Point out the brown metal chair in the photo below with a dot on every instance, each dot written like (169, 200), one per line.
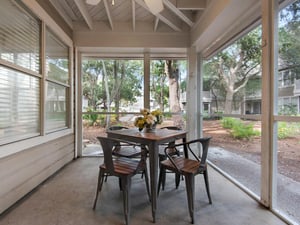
(162, 156)
(125, 149)
(189, 168)
(123, 168)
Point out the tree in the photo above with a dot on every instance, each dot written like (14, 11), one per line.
(172, 72)
(230, 70)
(289, 32)
(159, 90)
(111, 81)
(90, 88)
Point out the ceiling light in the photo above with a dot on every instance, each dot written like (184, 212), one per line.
(93, 2)
(155, 6)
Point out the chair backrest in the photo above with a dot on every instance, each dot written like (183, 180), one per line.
(171, 128)
(169, 151)
(107, 147)
(117, 127)
(174, 151)
(205, 144)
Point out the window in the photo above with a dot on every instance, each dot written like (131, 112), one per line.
(22, 81)
(19, 73)
(57, 85)
(287, 126)
(168, 89)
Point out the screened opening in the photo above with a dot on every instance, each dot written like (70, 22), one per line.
(232, 108)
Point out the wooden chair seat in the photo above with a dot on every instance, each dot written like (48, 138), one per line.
(125, 166)
(184, 165)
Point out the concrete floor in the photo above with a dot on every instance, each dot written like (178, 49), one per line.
(67, 198)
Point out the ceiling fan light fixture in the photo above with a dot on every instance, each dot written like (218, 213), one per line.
(155, 6)
(93, 2)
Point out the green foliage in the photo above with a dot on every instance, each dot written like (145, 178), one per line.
(283, 131)
(286, 130)
(218, 115)
(227, 73)
(123, 78)
(289, 44)
(167, 115)
(91, 118)
(228, 122)
(289, 110)
(239, 129)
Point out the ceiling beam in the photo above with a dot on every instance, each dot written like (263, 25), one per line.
(133, 14)
(191, 4)
(178, 12)
(106, 5)
(156, 24)
(160, 16)
(61, 12)
(84, 12)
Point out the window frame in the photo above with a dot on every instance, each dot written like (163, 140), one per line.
(44, 19)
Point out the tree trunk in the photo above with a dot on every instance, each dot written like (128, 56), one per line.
(228, 101)
(107, 92)
(173, 76)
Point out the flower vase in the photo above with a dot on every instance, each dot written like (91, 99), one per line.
(150, 128)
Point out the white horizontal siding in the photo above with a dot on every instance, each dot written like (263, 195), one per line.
(22, 172)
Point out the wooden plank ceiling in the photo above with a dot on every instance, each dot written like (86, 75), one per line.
(177, 15)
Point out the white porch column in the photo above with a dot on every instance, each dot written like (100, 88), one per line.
(269, 66)
(192, 107)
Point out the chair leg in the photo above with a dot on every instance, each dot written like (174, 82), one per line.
(177, 180)
(120, 184)
(147, 182)
(162, 173)
(126, 186)
(190, 191)
(163, 178)
(205, 174)
(99, 186)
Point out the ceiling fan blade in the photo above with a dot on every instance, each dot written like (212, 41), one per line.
(155, 6)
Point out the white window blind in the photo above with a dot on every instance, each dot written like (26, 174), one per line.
(19, 106)
(19, 36)
(19, 87)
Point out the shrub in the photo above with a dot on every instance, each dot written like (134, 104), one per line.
(285, 129)
(228, 122)
(240, 131)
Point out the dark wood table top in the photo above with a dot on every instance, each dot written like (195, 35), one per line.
(159, 135)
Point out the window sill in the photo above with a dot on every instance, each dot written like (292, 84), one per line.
(19, 146)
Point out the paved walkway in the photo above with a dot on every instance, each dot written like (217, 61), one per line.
(248, 174)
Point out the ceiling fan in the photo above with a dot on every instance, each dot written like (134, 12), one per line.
(155, 6)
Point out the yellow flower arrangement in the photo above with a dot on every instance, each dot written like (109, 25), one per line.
(148, 119)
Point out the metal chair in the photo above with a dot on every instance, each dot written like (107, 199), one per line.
(162, 156)
(125, 149)
(123, 168)
(189, 168)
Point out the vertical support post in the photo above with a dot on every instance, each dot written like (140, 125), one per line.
(192, 109)
(269, 66)
(147, 80)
